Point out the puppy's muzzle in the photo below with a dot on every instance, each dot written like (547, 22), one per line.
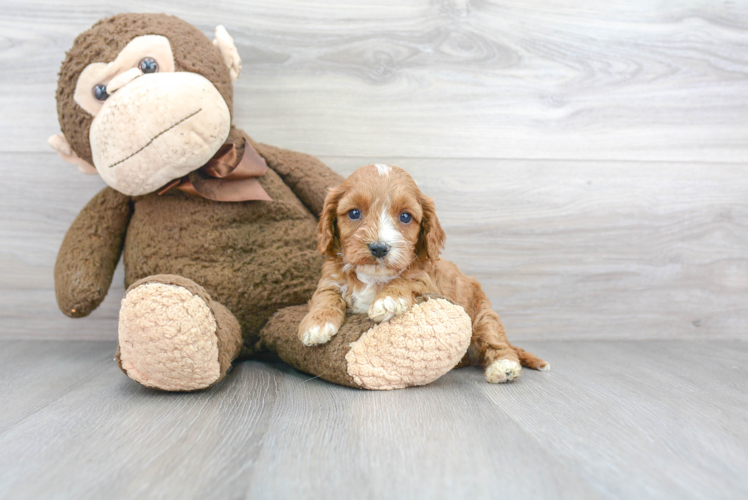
(379, 249)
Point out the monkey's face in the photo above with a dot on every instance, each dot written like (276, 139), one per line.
(151, 121)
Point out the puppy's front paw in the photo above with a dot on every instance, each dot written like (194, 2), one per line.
(387, 307)
(502, 370)
(317, 334)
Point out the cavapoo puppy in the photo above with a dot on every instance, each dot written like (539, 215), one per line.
(382, 240)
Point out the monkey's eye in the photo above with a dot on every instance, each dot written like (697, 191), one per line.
(99, 92)
(405, 218)
(354, 214)
(148, 65)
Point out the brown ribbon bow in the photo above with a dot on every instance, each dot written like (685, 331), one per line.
(224, 178)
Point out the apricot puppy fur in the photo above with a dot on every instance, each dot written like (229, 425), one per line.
(382, 239)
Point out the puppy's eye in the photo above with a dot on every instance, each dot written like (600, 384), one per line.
(148, 65)
(99, 92)
(405, 217)
(354, 214)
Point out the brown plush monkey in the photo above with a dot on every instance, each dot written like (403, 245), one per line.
(219, 249)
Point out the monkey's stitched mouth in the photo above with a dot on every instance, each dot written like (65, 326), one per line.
(156, 137)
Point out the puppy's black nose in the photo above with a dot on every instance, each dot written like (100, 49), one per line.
(379, 249)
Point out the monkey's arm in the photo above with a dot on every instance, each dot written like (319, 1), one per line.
(90, 252)
(307, 177)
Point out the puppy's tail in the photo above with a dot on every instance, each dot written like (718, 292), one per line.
(530, 360)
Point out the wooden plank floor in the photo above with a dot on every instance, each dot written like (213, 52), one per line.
(618, 419)
(588, 161)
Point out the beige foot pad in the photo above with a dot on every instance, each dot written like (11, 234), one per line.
(167, 338)
(414, 348)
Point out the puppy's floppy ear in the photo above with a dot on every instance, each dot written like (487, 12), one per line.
(431, 239)
(328, 240)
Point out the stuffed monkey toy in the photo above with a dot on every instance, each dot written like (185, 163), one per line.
(217, 230)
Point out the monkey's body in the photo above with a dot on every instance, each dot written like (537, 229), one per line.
(254, 257)
(251, 275)
(206, 278)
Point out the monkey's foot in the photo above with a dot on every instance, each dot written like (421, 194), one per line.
(414, 348)
(173, 336)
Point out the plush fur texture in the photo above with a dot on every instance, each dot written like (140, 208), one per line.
(90, 252)
(167, 348)
(382, 238)
(187, 124)
(253, 257)
(193, 52)
(414, 349)
(152, 124)
(167, 338)
(205, 276)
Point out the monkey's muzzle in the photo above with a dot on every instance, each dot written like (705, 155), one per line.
(157, 128)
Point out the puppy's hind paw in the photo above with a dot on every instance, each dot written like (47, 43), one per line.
(502, 370)
(387, 308)
(318, 334)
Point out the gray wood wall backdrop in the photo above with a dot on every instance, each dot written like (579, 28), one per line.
(588, 158)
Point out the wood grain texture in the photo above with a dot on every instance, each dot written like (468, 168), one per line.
(35, 375)
(520, 119)
(648, 419)
(563, 249)
(450, 78)
(590, 250)
(588, 160)
(669, 399)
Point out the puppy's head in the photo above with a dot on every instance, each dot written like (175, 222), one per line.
(378, 218)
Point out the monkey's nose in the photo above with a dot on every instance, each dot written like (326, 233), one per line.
(123, 79)
(379, 249)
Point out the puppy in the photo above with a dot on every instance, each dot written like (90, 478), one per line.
(382, 239)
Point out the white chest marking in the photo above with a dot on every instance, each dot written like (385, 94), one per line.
(362, 298)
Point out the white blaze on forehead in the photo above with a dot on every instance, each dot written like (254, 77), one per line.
(390, 235)
(383, 169)
(388, 232)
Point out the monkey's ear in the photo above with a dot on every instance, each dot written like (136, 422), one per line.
(225, 44)
(61, 145)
